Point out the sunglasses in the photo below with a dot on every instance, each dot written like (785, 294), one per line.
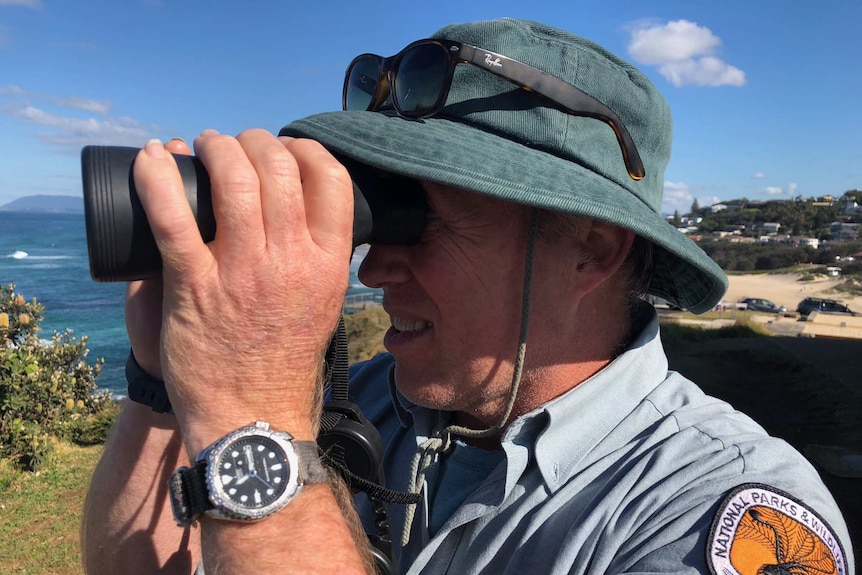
(416, 82)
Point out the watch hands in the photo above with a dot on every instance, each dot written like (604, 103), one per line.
(243, 479)
(266, 469)
(249, 457)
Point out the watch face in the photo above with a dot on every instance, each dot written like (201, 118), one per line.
(254, 472)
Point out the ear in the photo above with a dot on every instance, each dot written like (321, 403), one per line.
(605, 248)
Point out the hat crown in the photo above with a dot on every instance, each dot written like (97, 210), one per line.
(495, 138)
(492, 104)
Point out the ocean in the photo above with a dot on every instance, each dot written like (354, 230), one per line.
(45, 256)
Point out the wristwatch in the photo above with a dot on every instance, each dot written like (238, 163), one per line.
(247, 475)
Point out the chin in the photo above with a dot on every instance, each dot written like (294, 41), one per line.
(426, 392)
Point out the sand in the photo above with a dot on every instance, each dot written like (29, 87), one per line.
(787, 290)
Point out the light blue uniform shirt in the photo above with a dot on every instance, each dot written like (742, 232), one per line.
(622, 474)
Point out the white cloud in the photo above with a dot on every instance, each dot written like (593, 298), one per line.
(772, 191)
(102, 107)
(683, 52)
(706, 71)
(72, 132)
(35, 4)
(674, 42)
(706, 201)
(84, 104)
(791, 188)
(758, 176)
(679, 196)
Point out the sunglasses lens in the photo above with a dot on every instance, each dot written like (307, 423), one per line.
(360, 86)
(418, 83)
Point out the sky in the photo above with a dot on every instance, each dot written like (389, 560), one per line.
(766, 95)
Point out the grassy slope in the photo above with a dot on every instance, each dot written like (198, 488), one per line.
(40, 514)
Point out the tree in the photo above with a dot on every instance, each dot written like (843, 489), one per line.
(695, 208)
(47, 388)
(677, 222)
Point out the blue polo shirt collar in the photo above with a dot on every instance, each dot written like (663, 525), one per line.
(597, 405)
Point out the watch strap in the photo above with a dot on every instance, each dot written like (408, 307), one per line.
(146, 389)
(311, 468)
(189, 495)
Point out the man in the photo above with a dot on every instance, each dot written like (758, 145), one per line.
(531, 406)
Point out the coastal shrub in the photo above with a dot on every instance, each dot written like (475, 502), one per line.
(365, 330)
(678, 334)
(47, 388)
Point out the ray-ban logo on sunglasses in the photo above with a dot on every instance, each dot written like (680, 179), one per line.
(491, 61)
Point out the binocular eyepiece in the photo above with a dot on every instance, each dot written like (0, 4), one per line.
(388, 209)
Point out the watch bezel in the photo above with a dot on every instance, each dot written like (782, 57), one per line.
(223, 506)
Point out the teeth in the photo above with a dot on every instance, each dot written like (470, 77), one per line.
(402, 324)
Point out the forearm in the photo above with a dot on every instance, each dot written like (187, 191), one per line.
(314, 535)
(128, 526)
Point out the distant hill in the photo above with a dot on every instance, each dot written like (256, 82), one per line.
(42, 203)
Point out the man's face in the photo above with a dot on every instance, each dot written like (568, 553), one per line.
(455, 301)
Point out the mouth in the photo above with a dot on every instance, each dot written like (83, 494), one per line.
(410, 325)
(406, 332)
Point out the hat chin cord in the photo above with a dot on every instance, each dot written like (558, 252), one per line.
(441, 439)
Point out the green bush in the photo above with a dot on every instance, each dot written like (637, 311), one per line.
(47, 389)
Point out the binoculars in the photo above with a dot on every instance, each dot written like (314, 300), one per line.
(388, 209)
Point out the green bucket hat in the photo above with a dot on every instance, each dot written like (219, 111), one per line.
(497, 139)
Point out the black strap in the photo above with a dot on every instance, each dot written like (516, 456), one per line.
(373, 490)
(146, 389)
(188, 492)
(337, 365)
(334, 413)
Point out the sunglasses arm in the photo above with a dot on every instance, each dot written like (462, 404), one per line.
(565, 96)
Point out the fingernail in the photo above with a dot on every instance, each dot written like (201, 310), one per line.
(209, 132)
(286, 139)
(175, 139)
(155, 149)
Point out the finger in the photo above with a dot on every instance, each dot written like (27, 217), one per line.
(327, 193)
(280, 185)
(162, 194)
(178, 146)
(235, 192)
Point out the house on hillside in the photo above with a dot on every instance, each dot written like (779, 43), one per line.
(843, 231)
(769, 227)
(850, 208)
(809, 243)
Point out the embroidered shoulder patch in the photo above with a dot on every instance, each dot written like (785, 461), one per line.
(760, 530)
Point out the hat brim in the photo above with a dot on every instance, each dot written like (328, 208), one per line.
(453, 153)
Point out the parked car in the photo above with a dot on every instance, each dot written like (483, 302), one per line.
(810, 304)
(764, 305)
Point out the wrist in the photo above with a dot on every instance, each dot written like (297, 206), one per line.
(225, 406)
(200, 432)
(137, 417)
(146, 388)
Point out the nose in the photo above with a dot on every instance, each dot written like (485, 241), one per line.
(384, 265)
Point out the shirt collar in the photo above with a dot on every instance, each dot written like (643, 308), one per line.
(597, 405)
(575, 422)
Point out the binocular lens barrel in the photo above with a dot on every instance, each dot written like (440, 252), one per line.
(388, 209)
